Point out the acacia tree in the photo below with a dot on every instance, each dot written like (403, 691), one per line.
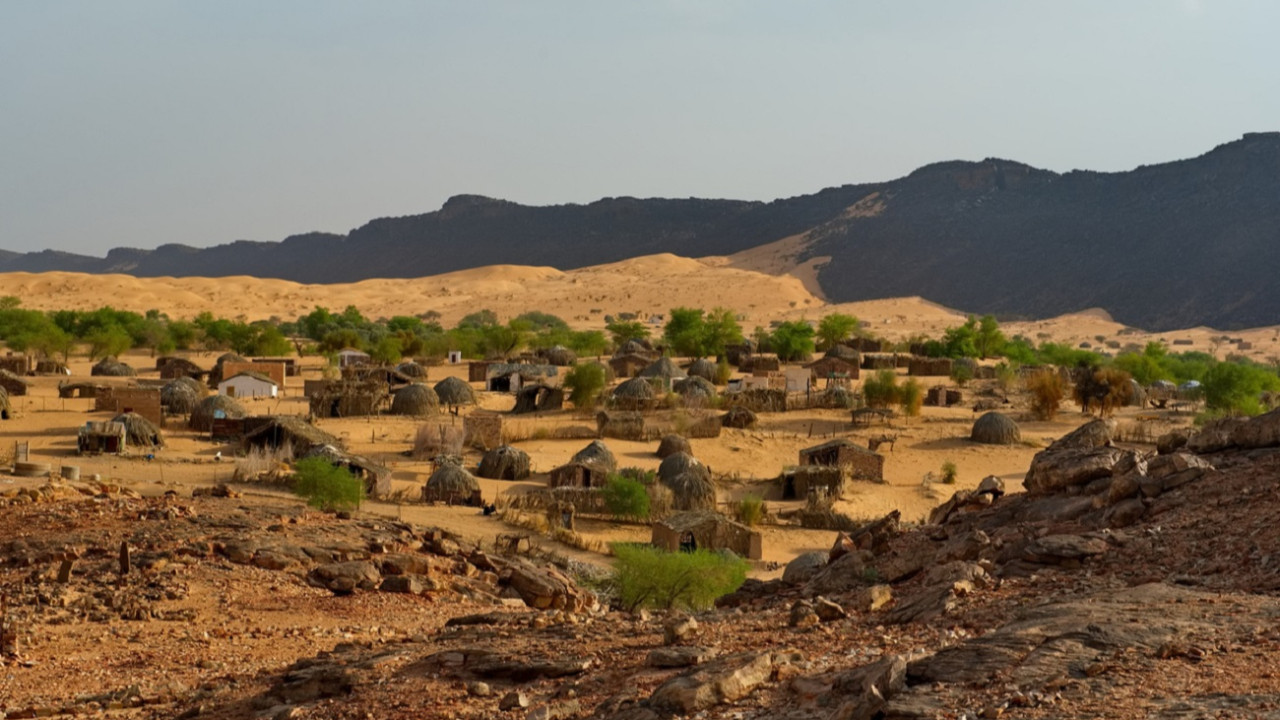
(792, 340)
(622, 331)
(835, 328)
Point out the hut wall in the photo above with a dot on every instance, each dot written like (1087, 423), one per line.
(273, 370)
(824, 479)
(711, 534)
(16, 364)
(628, 366)
(878, 361)
(478, 372)
(832, 367)
(14, 386)
(708, 426)
(941, 396)
(291, 368)
(311, 388)
(902, 360)
(482, 430)
(924, 366)
(758, 400)
(866, 345)
(857, 462)
(578, 475)
(621, 425)
(228, 428)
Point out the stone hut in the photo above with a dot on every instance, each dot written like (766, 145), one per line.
(856, 461)
(688, 531)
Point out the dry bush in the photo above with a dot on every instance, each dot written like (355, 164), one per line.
(263, 461)
(577, 540)
(1047, 390)
(1105, 389)
(819, 514)
(432, 440)
(535, 523)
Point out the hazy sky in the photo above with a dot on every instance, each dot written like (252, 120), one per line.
(141, 123)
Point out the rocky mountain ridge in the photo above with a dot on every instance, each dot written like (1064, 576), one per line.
(1178, 244)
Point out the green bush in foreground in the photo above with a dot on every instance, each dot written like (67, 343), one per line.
(649, 577)
(326, 486)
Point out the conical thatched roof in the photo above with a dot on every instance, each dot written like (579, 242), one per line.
(634, 394)
(633, 347)
(450, 483)
(672, 444)
(179, 397)
(558, 355)
(680, 463)
(412, 369)
(194, 384)
(214, 406)
(695, 388)
(504, 463)
(843, 352)
(739, 417)
(289, 430)
(454, 391)
(416, 399)
(689, 481)
(139, 431)
(664, 368)
(596, 454)
(702, 368)
(995, 429)
(110, 367)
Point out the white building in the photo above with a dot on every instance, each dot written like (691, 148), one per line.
(248, 385)
(350, 357)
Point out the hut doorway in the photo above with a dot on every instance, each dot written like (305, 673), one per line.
(688, 543)
(789, 488)
(500, 384)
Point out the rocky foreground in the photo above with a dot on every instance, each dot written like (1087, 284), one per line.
(1121, 584)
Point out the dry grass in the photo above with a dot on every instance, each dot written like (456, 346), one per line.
(263, 462)
(433, 439)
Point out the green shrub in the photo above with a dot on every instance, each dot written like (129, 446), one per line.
(961, 373)
(750, 510)
(949, 473)
(649, 577)
(724, 371)
(585, 382)
(881, 390)
(626, 498)
(1006, 375)
(326, 486)
(911, 397)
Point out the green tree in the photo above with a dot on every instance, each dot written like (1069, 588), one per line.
(326, 486)
(720, 330)
(989, 340)
(585, 382)
(626, 498)
(835, 328)
(649, 577)
(911, 397)
(792, 340)
(685, 331)
(881, 390)
(1235, 387)
(386, 351)
(621, 331)
(962, 341)
(108, 342)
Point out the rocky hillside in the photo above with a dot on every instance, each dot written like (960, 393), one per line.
(1163, 246)
(1120, 584)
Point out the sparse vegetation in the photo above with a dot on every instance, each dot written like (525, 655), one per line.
(750, 510)
(326, 486)
(1047, 390)
(626, 498)
(911, 397)
(585, 382)
(649, 577)
(949, 473)
(792, 340)
(881, 389)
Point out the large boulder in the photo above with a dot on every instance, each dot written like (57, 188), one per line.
(721, 681)
(1259, 432)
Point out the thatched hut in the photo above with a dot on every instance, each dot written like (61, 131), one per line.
(376, 477)
(171, 368)
(110, 367)
(739, 417)
(635, 394)
(538, 398)
(216, 374)
(695, 390)
(348, 398)
(672, 444)
(798, 483)
(589, 467)
(504, 463)
(416, 400)
(663, 369)
(735, 354)
(858, 462)
(691, 531)
(993, 428)
(178, 397)
(559, 356)
(12, 384)
(628, 364)
(281, 431)
(760, 364)
(214, 407)
(702, 368)
(634, 347)
(845, 353)
(452, 485)
(620, 424)
(411, 369)
(139, 431)
(455, 392)
(689, 481)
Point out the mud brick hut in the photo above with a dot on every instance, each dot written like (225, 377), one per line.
(856, 461)
(691, 531)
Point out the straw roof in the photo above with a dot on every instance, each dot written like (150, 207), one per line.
(450, 483)
(203, 414)
(664, 368)
(844, 352)
(281, 430)
(179, 397)
(689, 481)
(215, 375)
(634, 393)
(139, 430)
(416, 399)
(110, 367)
(559, 355)
(412, 369)
(633, 347)
(596, 454)
(695, 387)
(739, 417)
(672, 444)
(702, 368)
(504, 463)
(995, 429)
(453, 391)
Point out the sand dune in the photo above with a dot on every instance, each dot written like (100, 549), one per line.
(649, 285)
